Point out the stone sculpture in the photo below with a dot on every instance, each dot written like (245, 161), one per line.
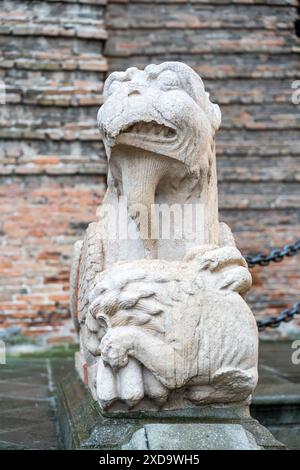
(162, 321)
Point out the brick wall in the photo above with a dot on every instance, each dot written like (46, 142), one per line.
(51, 161)
(54, 57)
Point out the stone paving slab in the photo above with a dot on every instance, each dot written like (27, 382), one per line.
(27, 419)
(275, 360)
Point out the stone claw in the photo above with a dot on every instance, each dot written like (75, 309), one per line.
(113, 352)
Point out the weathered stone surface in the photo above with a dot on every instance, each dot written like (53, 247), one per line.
(130, 296)
(192, 437)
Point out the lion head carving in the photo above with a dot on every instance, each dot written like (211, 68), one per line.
(163, 108)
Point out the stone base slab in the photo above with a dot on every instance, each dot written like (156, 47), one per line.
(84, 426)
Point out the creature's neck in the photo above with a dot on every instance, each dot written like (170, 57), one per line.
(171, 209)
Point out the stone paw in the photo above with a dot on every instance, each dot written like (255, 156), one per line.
(113, 352)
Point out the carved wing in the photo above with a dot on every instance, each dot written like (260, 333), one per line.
(87, 263)
(74, 282)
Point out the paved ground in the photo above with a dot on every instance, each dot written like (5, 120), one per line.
(27, 396)
(27, 402)
(27, 418)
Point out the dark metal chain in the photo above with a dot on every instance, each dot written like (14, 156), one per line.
(276, 255)
(285, 316)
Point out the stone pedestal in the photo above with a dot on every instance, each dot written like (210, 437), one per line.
(84, 426)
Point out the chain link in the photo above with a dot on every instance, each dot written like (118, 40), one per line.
(285, 316)
(276, 255)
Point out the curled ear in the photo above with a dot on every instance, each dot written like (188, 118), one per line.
(215, 116)
(237, 279)
(213, 112)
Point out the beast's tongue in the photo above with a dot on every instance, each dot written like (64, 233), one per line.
(141, 173)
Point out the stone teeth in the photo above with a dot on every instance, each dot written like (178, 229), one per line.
(150, 128)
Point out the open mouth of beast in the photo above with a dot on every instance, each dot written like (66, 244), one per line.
(149, 131)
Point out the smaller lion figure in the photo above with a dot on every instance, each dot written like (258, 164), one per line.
(174, 326)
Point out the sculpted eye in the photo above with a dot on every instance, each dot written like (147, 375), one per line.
(168, 80)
